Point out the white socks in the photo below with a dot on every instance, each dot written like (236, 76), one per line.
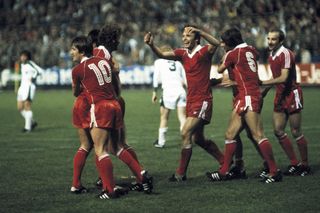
(28, 116)
(162, 135)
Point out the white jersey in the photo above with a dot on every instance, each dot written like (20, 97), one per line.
(29, 72)
(171, 75)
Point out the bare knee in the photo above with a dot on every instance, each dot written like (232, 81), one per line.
(296, 132)
(278, 133)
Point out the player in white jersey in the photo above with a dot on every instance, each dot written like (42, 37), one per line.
(172, 77)
(29, 72)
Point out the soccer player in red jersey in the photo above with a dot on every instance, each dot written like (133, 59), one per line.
(94, 75)
(288, 102)
(196, 60)
(107, 41)
(241, 60)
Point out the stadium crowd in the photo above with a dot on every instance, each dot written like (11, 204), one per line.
(46, 27)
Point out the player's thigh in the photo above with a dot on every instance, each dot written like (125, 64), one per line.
(253, 121)
(279, 121)
(85, 139)
(191, 125)
(295, 124)
(164, 112)
(234, 125)
(99, 137)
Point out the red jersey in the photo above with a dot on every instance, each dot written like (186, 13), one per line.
(102, 52)
(197, 66)
(95, 76)
(241, 62)
(284, 59)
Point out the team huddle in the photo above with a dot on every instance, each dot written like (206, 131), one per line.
(99, 109)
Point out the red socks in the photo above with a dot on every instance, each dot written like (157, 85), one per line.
(230, 148)
(211, 147)
(184, 160)
(267, 153)
(134, 166)
(132, 153)
(105, 169)
(79, 161)
(303, 149)
(288, 148)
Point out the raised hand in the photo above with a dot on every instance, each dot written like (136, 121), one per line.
(148, 38)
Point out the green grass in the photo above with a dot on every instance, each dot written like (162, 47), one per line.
(36, 168)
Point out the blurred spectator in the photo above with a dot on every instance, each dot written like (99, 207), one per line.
(45, 27)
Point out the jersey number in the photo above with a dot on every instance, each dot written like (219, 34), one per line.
(172, 66)
(102, 72)
(251, 61)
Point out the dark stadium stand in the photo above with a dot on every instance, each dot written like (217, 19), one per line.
(46, 27)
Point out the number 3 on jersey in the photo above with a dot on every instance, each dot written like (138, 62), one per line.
(102, 72)
(251, 61)
(172, 66)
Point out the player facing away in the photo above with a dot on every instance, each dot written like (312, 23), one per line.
(94, 75)
(29, 72)
(238, 171)
(171, 75)
(241, 60)
(108, 41)
(288, 102)
(196, 60)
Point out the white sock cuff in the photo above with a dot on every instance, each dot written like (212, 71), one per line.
(298, 138)
(188, 146)
(163, 129)
(229, 141)
(103, 156)
(262, 140)
(119, 152)
(282, 136)
(83, 149)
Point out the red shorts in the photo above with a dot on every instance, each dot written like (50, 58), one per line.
(201, 109)
(106, 114)
(81, 112)
(291, 103)
(243, 103)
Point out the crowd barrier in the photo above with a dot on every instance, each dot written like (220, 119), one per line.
(138, 75)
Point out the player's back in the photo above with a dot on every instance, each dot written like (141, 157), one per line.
(170, 73)
(243, 60)
(96, 78)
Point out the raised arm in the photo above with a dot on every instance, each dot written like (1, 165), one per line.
(148, 39)
(214, 43)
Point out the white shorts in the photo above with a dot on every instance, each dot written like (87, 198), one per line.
(26, 92)
(173, 100)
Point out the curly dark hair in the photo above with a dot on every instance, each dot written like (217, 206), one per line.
(109, 36)
(232, 37)
(93, 36)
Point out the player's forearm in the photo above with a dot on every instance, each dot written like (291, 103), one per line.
(209, 38)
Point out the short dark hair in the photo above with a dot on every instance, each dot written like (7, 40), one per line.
(27, 53)
(281, 33)
(109, 36)
(93, 36)
(81, 43)
(232, 37)
(196, 35)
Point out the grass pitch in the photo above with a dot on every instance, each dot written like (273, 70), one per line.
(36, 168)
